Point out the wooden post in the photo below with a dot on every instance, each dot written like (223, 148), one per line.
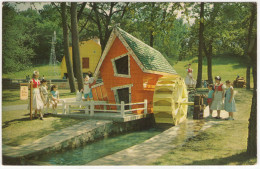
(145, 106)
(92, 108)
(123, 108)
(31, 101)
(87, 109)
(63, 107)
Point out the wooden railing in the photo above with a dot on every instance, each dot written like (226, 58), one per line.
(90, 107)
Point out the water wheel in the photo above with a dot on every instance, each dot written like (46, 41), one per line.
(170, 100)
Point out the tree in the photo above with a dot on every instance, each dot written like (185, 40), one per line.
(151, 19)
(48, 22)
(209, 37)
(199, 77)
(250, 32)
(66, 47)
(18, 40)
(105, 16)
(252, 51)
(75, 45)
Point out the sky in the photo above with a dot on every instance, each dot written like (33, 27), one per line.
(21, 6)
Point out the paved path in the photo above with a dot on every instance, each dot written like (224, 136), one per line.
(57, 140)
(153, 148)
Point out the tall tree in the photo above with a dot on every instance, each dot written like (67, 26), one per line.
(250, 31)
(209, 36)
(18, 40)
(66, 47)
(201, 29)
(252, 51)
(105, 14)
(75, 45)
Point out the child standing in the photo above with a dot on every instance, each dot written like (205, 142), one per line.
(229, 105)
(54, 97)
(44, 90)
(87, 89)
(209, 98)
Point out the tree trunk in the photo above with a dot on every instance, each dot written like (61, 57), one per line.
(252, 51)
(199, 77)
(75, 45)
(151, 38)
(152, 20)
(248, 77)
(66, 47)
(209, 60)
(252, 126)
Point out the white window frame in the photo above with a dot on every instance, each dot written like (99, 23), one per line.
(114, 66)
(114, 89)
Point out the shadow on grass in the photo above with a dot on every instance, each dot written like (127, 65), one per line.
(238, 159)
(10, 96)
(8, 123)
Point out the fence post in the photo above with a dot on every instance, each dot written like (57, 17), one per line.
(63, 107)
(91, 108)
(87, 109)
(145, 106)
(123, 108)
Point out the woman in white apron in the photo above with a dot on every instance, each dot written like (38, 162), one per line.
(37, 103)
(189, 81)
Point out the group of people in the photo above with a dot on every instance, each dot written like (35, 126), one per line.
(41, 98)
(220, 98)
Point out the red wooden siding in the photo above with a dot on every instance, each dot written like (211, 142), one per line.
(138, 77)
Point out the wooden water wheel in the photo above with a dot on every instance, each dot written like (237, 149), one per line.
(170, 100)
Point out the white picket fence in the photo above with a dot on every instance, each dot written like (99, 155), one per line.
(89, 107)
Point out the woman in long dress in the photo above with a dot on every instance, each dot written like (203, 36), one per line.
(218, 96)
(189, 81)
(37, 103)
(230, 105)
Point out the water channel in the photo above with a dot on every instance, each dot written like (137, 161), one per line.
(99, 149)
(110, 145)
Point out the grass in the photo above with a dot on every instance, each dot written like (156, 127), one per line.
(226, 67)
(222, 144)
(12, 96)
(49, 72)
(17, 128)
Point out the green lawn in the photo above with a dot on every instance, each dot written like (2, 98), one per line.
(12, 96)
(222, 144)
(49, 72)
(17, 128)
(227, 68)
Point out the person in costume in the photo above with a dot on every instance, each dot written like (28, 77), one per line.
(218, 96)
(189, 81)
(37, 101)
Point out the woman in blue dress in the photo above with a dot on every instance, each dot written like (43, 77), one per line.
(229, 105)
